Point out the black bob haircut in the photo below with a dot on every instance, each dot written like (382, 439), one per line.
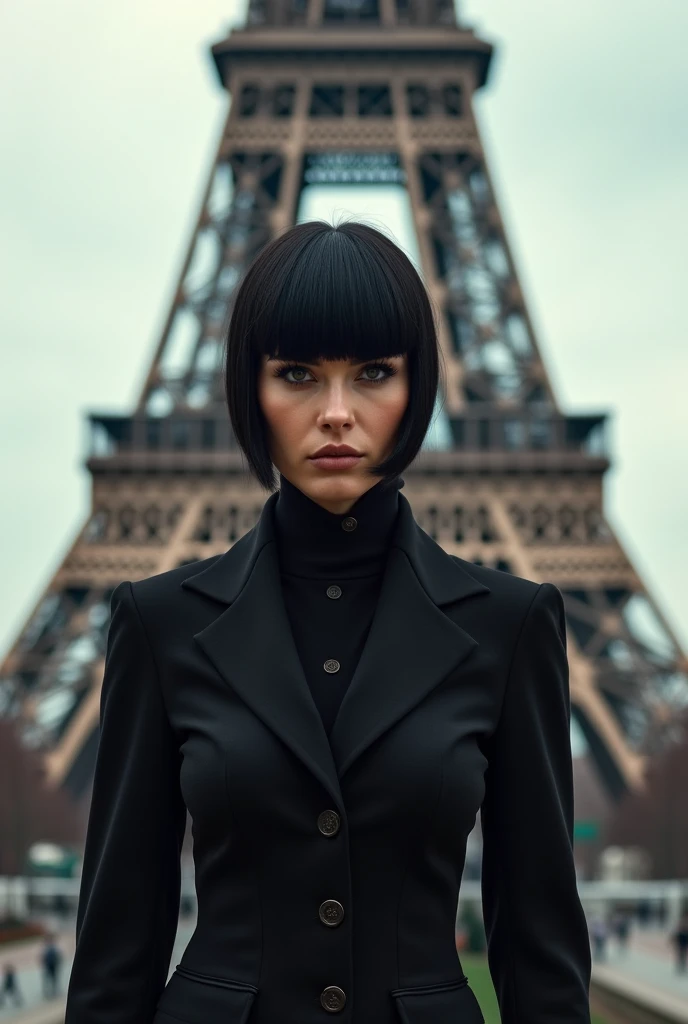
(320, 291)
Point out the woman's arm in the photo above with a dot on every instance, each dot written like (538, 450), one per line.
(538, 947)
(130, 885)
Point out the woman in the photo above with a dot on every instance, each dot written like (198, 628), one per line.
(334, 699)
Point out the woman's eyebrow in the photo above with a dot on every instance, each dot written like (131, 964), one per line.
(319, 362)
(288, 359)
(313, 362)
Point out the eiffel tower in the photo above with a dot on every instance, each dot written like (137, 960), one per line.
(339, 92)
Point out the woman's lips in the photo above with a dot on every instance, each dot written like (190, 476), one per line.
(336, 461)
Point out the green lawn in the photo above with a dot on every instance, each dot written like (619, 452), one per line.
(479, 979)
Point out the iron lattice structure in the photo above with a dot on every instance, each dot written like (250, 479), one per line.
(372, 91)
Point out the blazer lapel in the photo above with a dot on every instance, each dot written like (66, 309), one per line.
(251, 645)
(411, 646)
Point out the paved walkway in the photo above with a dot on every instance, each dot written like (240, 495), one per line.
(26, 958)
(649, 959)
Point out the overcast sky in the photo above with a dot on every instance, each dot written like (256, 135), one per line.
(109, 117)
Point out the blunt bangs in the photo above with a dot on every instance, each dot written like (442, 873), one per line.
(320, 291)
(335, 300)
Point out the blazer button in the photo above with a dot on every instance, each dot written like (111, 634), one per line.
(331, 913)
(332, 665)
(334, 591)
(328, 823)
(349, 524)
(333, 998)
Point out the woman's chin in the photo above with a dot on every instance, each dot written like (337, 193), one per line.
(336, 486)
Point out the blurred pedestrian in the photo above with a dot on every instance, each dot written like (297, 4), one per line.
(51, 958)
(10, 986)
(621, 925)
(599, 932)
(680, 940)
(643, 911)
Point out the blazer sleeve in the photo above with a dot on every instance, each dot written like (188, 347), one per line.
(130, 890)
(537, 936)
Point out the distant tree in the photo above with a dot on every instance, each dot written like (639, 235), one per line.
(30, 810)
(657, 818)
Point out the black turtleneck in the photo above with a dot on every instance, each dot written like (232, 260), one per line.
(331, 568)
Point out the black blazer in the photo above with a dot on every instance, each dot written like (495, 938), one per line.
(328, 870)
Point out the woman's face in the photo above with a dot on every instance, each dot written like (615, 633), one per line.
(334, 402)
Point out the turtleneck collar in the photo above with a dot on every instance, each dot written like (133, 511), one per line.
(316, 543)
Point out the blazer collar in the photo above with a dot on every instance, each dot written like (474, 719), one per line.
(250, 642)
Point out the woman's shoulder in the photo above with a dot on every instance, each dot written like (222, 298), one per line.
(500, 582)
(160, 586)
(512, 597)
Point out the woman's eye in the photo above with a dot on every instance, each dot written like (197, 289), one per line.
(374, 373)
(371, 373)
(299, 374)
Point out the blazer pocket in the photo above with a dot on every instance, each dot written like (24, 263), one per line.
(196, 998)
(436, 1004)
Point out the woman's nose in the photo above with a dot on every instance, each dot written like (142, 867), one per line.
(337, 409)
